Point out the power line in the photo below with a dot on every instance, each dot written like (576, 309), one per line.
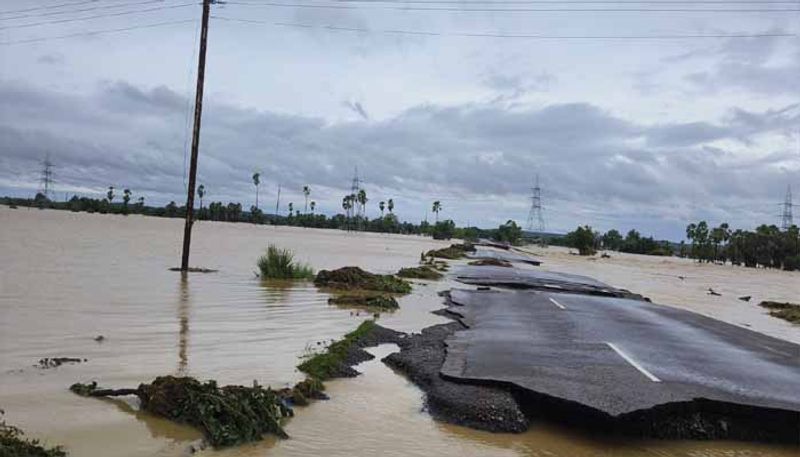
(96, 16)
(49, 7)
(502, 35)
(96, 32)
(80, 10)
(517, 10)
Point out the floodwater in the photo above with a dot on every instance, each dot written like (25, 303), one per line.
(66, 278)
(684, 283)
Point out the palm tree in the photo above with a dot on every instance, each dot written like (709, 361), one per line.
(312, 206)
(382, 205)
(390, 205)
(110, 193)
(362, 200)
(140, 201)
(291, 208)
(201, 192)
(306, 193)
(126, 197)
(256, 182)
(437, 206)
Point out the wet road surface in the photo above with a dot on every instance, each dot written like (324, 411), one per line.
(617, 355)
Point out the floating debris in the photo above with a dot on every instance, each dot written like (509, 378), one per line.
(54, 362)
(745, 298)
(226, 415)
(99, 338)
(786, 311)
(713, 292)
(195, 270)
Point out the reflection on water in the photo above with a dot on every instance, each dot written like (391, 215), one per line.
(183, 317)
(64, 280)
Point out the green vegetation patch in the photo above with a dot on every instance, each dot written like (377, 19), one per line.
(226, 415)
(786, 311)
(14, 444)
(491, 263)
(421, 272)
(370, 301)
(279, 263)
(333, 361)
(354, 278)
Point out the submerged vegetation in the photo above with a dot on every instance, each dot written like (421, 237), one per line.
(786, 311)
(226, 415)
(279, 263)
(14, 444)
(767, 246)
(333, 361)
(421, 272)
(354, 278)
(370, 301)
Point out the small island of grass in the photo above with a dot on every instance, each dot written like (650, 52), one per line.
(786, 311)
(279, 263)
(354, 278)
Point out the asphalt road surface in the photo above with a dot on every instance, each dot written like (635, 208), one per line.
(616, 355)
(483, 253)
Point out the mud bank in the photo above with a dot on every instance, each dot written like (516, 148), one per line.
(481, 407)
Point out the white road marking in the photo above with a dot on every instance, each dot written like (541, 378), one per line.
(633, 362)
(558, 304)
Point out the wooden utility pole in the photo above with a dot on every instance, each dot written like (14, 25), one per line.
(198, 110)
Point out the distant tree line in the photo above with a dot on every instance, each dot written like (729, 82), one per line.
(767, 246)
(588, 242)
(354, 217)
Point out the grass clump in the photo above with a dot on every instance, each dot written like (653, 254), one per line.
(421, 272)
(354, 278)
(279, 263)
(333, 362)
(452, 252)
(369, 301)
(786, 311)
(226, 415)
(14, 444)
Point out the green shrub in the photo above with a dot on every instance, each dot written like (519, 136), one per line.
(279, 263)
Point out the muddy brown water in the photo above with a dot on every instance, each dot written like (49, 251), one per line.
(66, 278)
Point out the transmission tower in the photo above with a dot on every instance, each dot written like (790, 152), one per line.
(535, 216)
(46, 180)
(786, 210)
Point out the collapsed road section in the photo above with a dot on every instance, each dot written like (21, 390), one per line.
(589, 357)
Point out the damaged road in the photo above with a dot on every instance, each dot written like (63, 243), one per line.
(573, 350)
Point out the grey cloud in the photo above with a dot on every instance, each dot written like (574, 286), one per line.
(478, 158)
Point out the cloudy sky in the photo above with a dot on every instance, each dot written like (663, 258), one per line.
(646, 132)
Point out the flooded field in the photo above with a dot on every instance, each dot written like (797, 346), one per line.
(66, 278)
(684, 283)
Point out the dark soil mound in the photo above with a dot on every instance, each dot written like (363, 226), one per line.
(481, 407)
(354, 278)
(423, 272)
(454, 251)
